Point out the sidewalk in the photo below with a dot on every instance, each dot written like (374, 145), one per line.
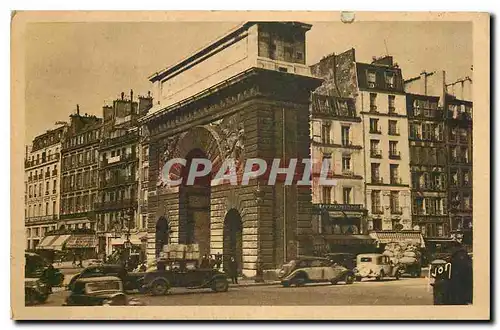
(246, 282)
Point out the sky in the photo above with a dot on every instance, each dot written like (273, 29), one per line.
(90, 64)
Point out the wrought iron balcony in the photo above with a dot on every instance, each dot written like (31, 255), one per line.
(375, 153)
(396, 210)
(121, 180)
(396, 180)
(394, 155)
(117, 205)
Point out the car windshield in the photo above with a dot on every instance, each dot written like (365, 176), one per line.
(290, 265)
(103, 286)
(365, 259)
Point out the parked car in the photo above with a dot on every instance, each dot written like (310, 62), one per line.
(39, 278)
(35, 291)
(99, 291)
(183, 273)
(131, 281)
(348, 260)
(375, 265)
(314, 270)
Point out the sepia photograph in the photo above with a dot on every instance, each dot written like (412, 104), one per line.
(258, 165)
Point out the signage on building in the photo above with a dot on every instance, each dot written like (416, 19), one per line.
(341, 207)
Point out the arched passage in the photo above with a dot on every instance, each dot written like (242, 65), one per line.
(233, 237)
(162, 236)
(194, 206)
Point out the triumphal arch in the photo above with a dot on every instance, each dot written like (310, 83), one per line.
(244, 96)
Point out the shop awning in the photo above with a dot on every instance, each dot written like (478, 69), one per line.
(82, 242)
(384, 237)
(53, 242)
(349, 239)
(135, 239)
(46, 242)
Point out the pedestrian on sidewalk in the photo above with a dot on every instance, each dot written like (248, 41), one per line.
(218, 260)
(80, 260)
(74, 258)
(205, 263)
(212, 261)
(233, 270)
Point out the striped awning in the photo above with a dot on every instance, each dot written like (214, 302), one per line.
(82, 242)
(384, 237)
(53, 242)
(46, 242)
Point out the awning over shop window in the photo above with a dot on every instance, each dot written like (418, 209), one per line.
(46, 242)
(135, 239)
(55, 242)
(82, 242)
(349, 239)
(384, 237)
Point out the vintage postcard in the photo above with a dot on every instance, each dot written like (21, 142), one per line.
(309, 165)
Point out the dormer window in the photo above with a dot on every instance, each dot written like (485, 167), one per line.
(371, 78)
(389, 79)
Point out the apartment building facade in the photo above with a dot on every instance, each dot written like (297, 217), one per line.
(459, 150)
(447, 129)
(80, 154)
(118, 215)
(42, 180)
(428, 165)
(378, 94)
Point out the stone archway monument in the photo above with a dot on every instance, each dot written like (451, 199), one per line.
(243, 97)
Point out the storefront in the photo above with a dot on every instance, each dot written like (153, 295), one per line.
(84, 245)
(391, 236)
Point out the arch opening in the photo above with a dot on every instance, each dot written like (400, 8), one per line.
(194, 206)
(233, 238)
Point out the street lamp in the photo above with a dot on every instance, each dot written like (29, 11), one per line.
(259, 199)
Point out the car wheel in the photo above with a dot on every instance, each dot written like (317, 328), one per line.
(381, 276)
(349, 279)
(397, 275)
(159, 288)
(220, 285)
(334, 281)
(358, 278)
(285, 284)
(300, 280)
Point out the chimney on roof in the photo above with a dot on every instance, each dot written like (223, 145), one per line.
(78, 109)
(123, 95)
(131, 95)
(149, 93)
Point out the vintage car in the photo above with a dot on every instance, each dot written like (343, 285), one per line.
(39, 277)
(182, 273)
(35, 291)
(131, 281)
(313, 270)
(99, 291)
(375, 265)
(348, 260)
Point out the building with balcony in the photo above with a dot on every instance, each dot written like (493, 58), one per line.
(118, 215)
(428, 165)
(337, 136)
(42, 179)
(441, 158)
(377, 92)
(458, 137)
(80, 154)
